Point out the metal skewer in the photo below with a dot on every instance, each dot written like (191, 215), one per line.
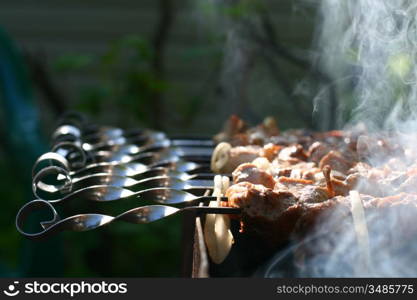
(110, 168)
(104, 193)
(84, 222)
(107, 164)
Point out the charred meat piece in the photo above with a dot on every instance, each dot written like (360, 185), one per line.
(317, 151)
(240, 139)
(251, 173)
(242, 154)
(379, 182)
(293, 181)
(302, 170)
(315, 213)
(313, 194)
(260, 134)
(336, 161)
(341, 188)
(378, 148)
(237, 133)
(303, 190)
(392, 201)
(257, 200)
(292, 154)
(234, 126)
(288, 190)
(293, 136)
(270, 151)
(400, 212)
(268, 214)
(226, 158)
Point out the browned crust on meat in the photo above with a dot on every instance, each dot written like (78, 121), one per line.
(251, 173)
(289, 180)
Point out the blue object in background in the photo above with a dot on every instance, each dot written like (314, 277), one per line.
(23, 143)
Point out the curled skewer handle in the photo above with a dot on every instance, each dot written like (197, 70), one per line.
(50, 157)
(73, 152)
(84, 222)
(27, 209)
(66, 133)
(39, 184)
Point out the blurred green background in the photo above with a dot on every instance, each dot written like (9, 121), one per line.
(178, 66)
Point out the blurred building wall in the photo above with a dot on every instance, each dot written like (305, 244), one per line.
(51, 28)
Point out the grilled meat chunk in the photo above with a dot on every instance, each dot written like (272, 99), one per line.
(266, 213)
(317, 151)
(336, 161)
(251, 173)
(290, 181)
(292, 154)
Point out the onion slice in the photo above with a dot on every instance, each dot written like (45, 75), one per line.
(361, 229)
(220, 157)
(218, 237)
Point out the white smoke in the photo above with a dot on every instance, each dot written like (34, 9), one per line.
(369, 48)
(373, 44)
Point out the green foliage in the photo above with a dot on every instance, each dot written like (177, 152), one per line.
(242, 8)
(126, 78)
(400, 65)
(125, 250)
(236, 9)
(126, 82)
(91, 98)
(72, 62)
(10, 240)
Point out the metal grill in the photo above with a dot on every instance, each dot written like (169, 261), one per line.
(92, 163)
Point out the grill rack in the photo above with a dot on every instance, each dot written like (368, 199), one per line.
(80, 148)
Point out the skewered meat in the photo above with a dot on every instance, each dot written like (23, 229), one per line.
(314, 213)
(390, 201)
(239, 155)
(302, 170)
(303, 191)
(225, 158)
(317, 151)
(251, 173)
(256, 199)
(232, 132)
(262, 163)
(293, 154)
(288, 180)
(379, 148)
(237, 133)
(267, 213)
(313, 194)
(270, 151)
(336, 161)
(273, 214)
(261, 133)
(296, 178)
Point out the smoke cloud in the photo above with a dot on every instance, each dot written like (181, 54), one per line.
(369, 47)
